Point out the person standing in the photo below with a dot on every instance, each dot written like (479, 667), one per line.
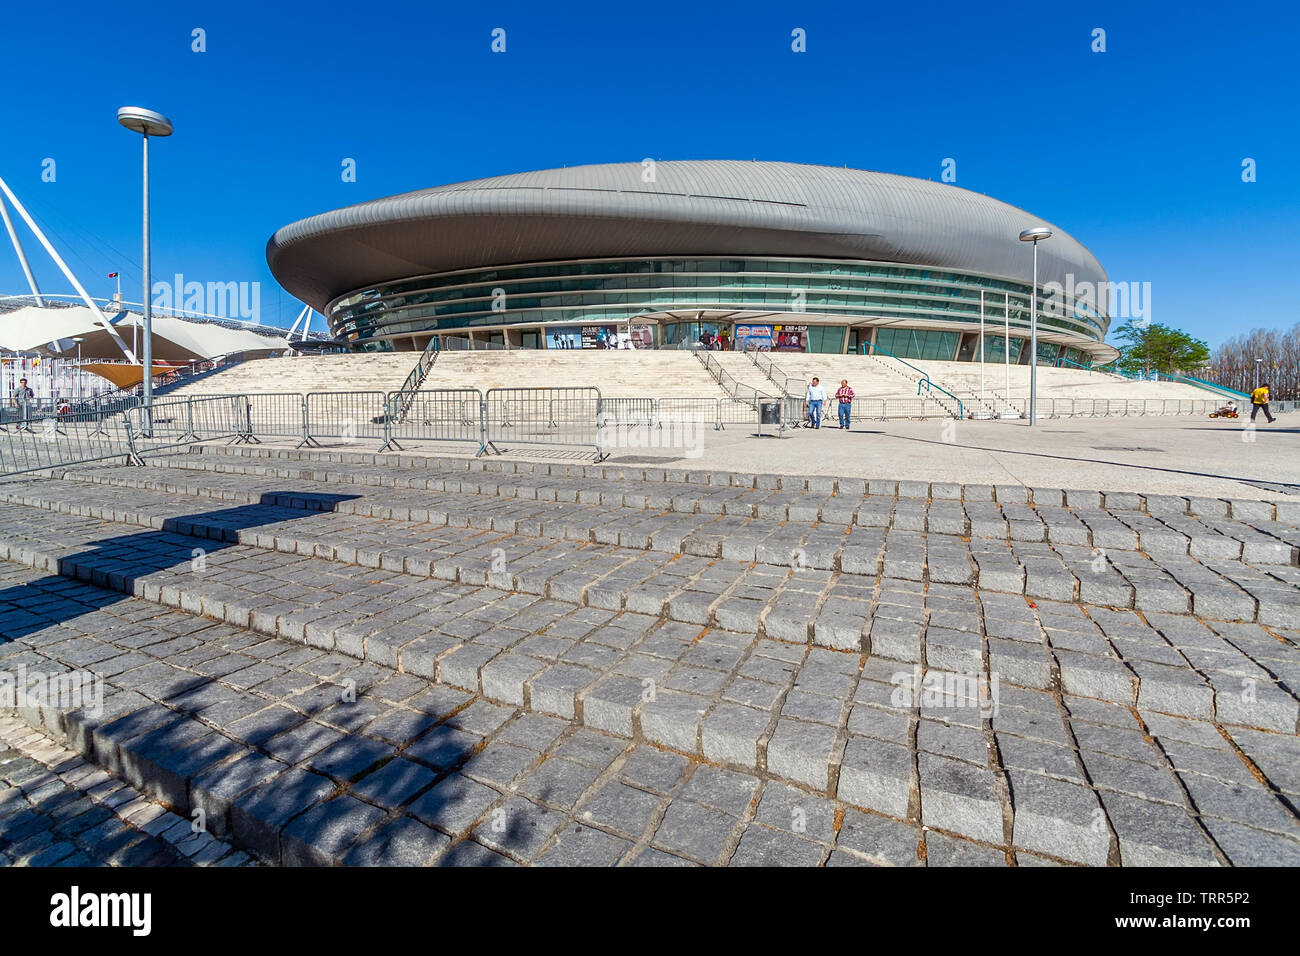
(815, 398)
(22, 399)
(1258, 400)
(844, 395)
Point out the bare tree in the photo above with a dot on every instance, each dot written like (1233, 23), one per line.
(1246, 361)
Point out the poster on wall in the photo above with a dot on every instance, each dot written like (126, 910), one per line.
(641, 337)
(759, 336)
(789, 338)
(563, 338)
(599, 337)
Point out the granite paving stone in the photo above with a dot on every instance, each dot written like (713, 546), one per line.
(671, 667)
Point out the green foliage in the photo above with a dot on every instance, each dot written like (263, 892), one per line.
(1158, 348)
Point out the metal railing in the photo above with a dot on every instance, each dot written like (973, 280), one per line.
(458, 343)
(345, 415)
(1115, 407)
(1065, 361)
(563, 418)
(569, 417)
(414, 379)
(764, 363)
(630, 412)
(38, 441)
(169, 424)
(923, 383)
(729, 383)
(440, 415)
(277, 414)
(686, 411)
(1208, 386)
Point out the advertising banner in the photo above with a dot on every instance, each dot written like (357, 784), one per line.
(790, 338)
(759, 336)
(641, 337)
(569, 338)
(599, 337)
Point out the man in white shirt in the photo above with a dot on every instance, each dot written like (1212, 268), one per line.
(814, 399)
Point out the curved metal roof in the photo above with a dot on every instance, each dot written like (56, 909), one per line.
(691, 208)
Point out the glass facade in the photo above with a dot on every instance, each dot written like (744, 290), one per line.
(919, 343)
(608, 291)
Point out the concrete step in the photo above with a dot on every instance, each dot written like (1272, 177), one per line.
(314, 699)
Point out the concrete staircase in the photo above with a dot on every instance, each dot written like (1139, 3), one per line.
(362, 372)
(869, 377)
(745, 373)
(667, 373)
(1060, 383)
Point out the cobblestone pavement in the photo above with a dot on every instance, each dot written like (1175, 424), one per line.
(370, 659)
(59, 810)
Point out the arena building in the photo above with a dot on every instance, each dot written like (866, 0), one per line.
(720, 254)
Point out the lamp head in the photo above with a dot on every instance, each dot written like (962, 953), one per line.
(140, 120)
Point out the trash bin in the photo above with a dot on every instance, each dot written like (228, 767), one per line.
(769, 413)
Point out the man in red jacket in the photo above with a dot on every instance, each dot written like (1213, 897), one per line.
(844, 395)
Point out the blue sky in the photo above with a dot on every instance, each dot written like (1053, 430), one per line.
(1136, 151)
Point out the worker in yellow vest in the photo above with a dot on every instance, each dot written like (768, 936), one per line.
(1258, 400)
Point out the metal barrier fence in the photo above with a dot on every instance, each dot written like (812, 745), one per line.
(50, 407)
(1108, 408)
(42, 441)
(629, 412)
(795, 414)
(346, 415)
(658, 412)
(184, 420)
(738, 391)
(542, 416)
(445, 414)
(278, 414)
(273, 414)
(560, 417)
(46, 441)
(678, 411)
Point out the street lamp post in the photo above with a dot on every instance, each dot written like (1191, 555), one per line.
(147, 123)
(1034, 235)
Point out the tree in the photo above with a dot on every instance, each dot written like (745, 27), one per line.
(1154, 347)
(1248, 360)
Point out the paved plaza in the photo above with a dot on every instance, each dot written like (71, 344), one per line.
(333, 656)
(1175, 454)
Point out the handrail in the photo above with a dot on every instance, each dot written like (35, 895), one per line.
(1086, 368)
(1210, 386)
(771, 371)
(922, 372)
(1115, 370)
(926, 383)
(714, 368)
(414, 379)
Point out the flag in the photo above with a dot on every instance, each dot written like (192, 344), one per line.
(112, 275)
